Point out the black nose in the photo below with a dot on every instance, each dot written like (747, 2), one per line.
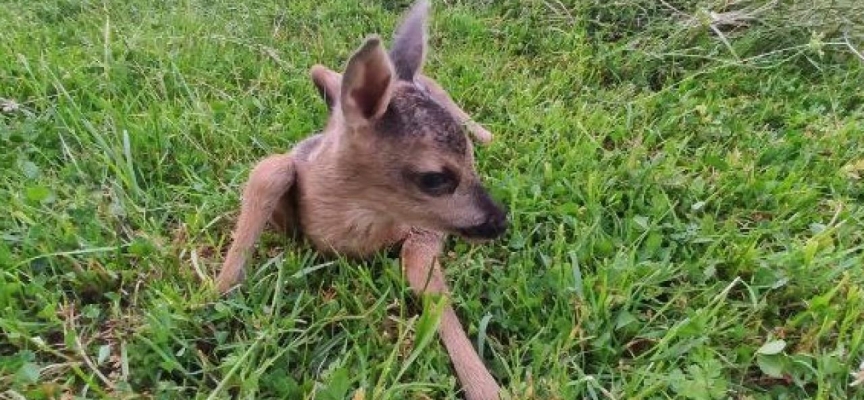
(493, 227)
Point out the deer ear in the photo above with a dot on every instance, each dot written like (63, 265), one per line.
(328, 83)
(409, 43)
(367, 83)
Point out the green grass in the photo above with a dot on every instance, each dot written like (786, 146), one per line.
(675, 206)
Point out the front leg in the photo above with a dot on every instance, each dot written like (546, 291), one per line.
(420, 253)
(269, 180)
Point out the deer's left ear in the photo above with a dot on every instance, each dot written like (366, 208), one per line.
(409, 43)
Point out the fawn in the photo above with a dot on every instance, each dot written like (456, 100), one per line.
(394, 166)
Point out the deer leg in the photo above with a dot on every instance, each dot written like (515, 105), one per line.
(419, 257)
(268, 181)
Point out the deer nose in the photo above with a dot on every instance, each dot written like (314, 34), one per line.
(497, 223)
(493, 227)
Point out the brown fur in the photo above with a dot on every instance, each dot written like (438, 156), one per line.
(392, 167)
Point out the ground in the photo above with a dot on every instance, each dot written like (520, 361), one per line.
(685, 199)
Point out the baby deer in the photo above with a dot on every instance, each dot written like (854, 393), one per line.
(393, 167)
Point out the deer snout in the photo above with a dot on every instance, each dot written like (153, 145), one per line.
(492, 228)
(494, 222)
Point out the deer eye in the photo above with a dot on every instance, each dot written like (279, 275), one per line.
(436, 183)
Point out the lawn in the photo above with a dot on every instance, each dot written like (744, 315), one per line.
(685, 199)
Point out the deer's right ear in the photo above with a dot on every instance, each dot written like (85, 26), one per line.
(367, 83)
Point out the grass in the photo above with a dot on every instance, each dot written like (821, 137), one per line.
(686, 204)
